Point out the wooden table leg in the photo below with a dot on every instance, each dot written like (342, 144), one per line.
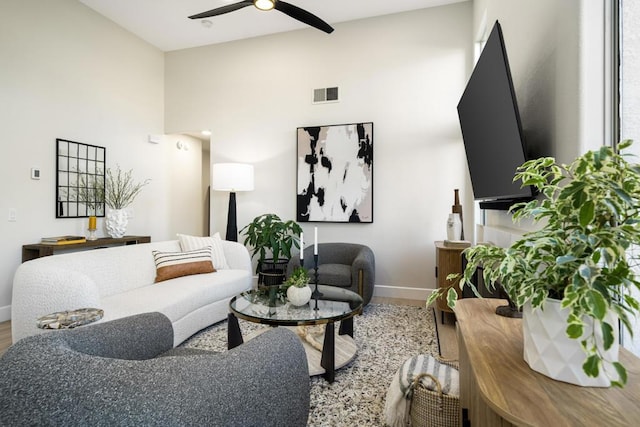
(329, 353)
(234, 335)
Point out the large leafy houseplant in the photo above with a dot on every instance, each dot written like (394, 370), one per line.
(269, 236)
(583, 252)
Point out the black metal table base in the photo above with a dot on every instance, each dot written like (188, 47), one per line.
(328, 360)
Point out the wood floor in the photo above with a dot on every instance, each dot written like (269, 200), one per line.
(446, 331)
(5, 336)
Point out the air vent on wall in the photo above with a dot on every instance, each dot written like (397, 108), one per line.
(325, 95)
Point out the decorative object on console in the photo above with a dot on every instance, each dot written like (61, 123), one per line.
(454, 227)
(335, 173)
(457, 208)
(120, 191)
(79, 179)
(267, 234)
(91, 193)
(92, 228)
(63, 240)
(232, 177)
(590, 209)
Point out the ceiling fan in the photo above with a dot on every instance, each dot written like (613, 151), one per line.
(288, 9)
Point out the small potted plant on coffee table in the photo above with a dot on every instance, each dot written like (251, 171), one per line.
(298, 290)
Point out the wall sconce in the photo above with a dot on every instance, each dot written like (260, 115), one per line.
(232, 177)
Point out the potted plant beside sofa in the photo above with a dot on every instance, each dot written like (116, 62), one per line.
(580, 260)
(271, 240)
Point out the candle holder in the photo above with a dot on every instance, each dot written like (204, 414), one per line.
(316, 293)
(92, 228)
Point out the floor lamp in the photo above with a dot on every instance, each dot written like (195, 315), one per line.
(232, 177)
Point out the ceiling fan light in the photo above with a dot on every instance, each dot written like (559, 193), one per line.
(264, 4)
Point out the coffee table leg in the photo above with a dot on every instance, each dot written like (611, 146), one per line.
(329, 352)
(234, 336)
(346, 327)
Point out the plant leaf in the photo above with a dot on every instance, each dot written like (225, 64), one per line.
(452, 297)
(622, 372)
(591, 366)
(587, 212)
(607, 335)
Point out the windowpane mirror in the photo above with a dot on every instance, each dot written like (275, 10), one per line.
(80, 179)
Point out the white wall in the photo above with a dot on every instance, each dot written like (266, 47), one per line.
(186, 211)
(403, 72)
(67, 72)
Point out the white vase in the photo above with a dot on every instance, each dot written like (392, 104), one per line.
(298, 296)
(116, 222)
(454, 227)
(548, 349)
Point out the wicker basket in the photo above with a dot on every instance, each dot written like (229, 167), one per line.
(433, 408)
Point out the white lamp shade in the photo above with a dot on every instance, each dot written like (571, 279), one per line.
(232, 177)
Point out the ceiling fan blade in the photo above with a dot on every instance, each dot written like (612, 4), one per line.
(221, 10)
(303, 16)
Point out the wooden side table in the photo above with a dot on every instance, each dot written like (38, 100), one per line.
(448, 261)
(38, 250)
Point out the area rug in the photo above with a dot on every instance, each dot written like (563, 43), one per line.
(386, 336)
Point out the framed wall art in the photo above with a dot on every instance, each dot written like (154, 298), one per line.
(335, 173)
(80, 179)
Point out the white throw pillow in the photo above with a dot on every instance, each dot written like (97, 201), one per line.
(191, 243)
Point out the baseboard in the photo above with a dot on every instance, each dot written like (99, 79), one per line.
(403, 292)
(5, 313)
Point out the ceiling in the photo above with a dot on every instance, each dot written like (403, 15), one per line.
(164, 23)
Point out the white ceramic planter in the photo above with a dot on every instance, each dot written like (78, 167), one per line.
(116, 222)
(298, 296)
(548, 350)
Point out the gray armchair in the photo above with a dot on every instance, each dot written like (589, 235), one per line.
(110, 374)
(347, 265)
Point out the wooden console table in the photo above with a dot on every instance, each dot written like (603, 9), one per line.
(497, 387)
(38, 250)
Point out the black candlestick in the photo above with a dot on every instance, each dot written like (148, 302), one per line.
(316, 293)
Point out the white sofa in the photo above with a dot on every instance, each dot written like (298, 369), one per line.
(120, 280)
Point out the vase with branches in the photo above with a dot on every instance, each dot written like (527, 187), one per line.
(120, 191)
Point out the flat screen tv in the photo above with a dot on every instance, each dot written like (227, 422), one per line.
(491, 128)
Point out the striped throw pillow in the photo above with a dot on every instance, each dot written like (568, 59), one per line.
(191, 243)
(170, 265)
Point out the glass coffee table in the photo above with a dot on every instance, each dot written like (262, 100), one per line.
(332, 305)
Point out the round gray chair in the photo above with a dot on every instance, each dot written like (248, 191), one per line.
(125, 373)
(347, 265)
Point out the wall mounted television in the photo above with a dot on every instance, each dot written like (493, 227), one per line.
(491, 128)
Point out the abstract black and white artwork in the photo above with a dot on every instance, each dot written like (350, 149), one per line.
(335, 173)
